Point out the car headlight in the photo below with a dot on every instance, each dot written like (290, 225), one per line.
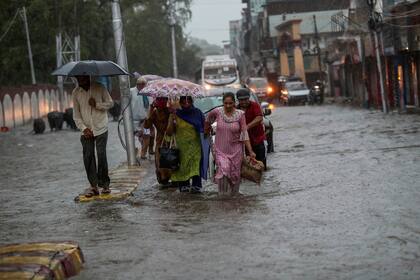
(285, 92)
(269, 89)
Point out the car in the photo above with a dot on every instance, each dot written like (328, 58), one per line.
(294, 93)
(261, 87)
(214, 99)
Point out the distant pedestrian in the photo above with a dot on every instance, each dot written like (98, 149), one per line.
(140, 105)
(91, 102)
(231, 137)
(254, 122)
(158, 117)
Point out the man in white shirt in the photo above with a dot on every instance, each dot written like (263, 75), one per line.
(140, 107)
(91, 102)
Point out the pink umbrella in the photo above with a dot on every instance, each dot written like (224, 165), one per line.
(172, 88)
(152, 77)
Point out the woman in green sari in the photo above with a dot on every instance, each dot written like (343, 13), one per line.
(187, 124)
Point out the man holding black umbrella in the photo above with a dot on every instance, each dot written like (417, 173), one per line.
(91, 101)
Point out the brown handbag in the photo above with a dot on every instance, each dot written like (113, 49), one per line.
(252, 169)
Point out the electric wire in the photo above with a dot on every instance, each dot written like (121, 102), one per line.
(10, 25)
(402, 26)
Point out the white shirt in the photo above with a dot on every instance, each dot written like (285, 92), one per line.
(137, 105)
(85, 116)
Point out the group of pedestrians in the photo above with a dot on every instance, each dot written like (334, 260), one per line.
(239, 131)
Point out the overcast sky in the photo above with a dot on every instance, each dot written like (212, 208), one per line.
(210, 19)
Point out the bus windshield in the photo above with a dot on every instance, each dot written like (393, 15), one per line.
(222, 72)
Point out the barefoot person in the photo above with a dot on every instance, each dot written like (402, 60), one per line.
(91, 102)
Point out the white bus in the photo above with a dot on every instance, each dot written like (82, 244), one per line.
(220, 71)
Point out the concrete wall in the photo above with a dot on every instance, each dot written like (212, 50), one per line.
(25, 107)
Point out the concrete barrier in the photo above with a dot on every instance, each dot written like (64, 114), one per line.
(54, 100)
(8, 111)
(41, 104)
(26, 108)
(47, 102)
(34, 106)
(69, 99)
(21, 108)
(17, 110)
(1, 115)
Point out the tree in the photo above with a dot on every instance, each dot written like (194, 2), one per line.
(146, 31)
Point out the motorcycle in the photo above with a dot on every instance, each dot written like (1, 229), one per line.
(316, 95)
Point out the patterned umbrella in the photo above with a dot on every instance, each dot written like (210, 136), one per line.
(152, 77)
(172, 88)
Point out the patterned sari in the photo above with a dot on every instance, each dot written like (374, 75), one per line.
(188, 142)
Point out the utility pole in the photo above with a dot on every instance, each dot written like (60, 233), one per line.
(318, 50)
(375, 20)
(28, 41)
(67, 50)
(60, 79)
(124, 82)
(172, 22)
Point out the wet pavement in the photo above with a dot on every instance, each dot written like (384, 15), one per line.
(341, 200)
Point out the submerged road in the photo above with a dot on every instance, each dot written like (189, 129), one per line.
(341, 200)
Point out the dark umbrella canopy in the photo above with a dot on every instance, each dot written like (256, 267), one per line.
(90, 68)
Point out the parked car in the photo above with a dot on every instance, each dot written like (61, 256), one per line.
(215, 99)
(294, 93)
(261, 87)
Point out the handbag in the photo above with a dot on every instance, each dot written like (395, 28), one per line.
(252, 169)
(169, 156)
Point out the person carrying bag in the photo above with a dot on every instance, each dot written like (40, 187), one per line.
(169, 155)
(252, 169)
(187, 125)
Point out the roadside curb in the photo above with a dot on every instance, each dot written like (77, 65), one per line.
(124, 181)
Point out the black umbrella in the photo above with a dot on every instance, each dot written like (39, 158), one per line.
(90, 68)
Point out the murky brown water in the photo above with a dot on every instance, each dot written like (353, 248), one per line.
(341, 200)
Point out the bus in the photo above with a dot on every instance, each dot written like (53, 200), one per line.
(220, 71)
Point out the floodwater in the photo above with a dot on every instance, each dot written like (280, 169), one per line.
(341, 200)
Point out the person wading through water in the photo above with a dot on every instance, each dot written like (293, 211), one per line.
(231, 137)
(254, 122)
(187, 124)
(158, 117)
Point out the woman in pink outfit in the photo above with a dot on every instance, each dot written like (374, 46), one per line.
(231, 136)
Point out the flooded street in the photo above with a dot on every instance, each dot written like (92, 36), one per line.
(341, 200)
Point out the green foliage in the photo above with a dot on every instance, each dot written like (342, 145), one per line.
(146, 31)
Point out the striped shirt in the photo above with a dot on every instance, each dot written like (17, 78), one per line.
(231, 132)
